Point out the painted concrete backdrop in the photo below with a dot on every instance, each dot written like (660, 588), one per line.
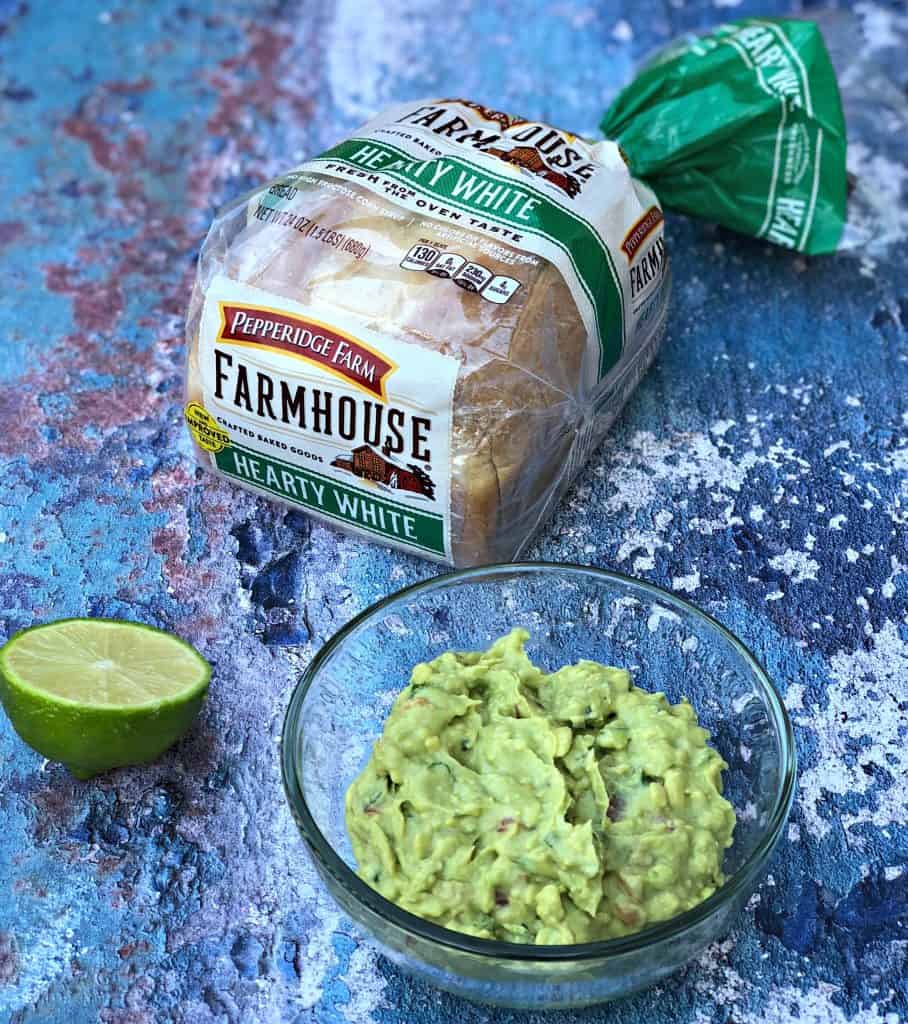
(760, 470)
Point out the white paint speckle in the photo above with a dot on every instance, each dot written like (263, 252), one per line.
(658, 614)
(721, 427)
(366, 985)
(837, 521)
(794, 697)
(647, 540)
(622, 31)
(877, 218)
(362, 51)
(816, 1005)
(838, 446)
(756, 513)
(880, 26)
(688, 583)
(867, 268)
(846, 714)
(888, 587)
(796, 564)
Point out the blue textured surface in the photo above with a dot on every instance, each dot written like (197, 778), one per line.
(760, 468)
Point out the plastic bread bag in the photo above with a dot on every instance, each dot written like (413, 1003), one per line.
(421, 334)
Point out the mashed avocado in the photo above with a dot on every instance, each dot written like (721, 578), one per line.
(511, 804)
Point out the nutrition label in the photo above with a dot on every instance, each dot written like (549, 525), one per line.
(472, 277)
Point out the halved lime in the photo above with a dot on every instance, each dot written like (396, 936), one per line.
(100, 693)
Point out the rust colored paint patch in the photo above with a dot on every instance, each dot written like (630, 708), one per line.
(10, 231)
(21, 419)
(97, 305)
(268, 56)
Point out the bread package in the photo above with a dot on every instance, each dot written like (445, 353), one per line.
(421, 334)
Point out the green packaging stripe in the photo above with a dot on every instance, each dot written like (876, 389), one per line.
(742, 126)
(327, 497)
(466, 186)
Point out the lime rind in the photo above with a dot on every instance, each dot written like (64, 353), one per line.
(12, 658)
(85, 732)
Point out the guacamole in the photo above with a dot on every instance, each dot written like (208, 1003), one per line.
(511, 804)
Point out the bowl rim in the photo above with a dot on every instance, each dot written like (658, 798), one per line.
(746, 875)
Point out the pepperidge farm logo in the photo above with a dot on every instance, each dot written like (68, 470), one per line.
(333, 418)
(310, 340)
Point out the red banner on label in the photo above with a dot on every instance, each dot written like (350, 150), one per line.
(639, 232)
(316, 342)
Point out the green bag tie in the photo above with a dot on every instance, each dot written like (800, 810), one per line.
(742, 126)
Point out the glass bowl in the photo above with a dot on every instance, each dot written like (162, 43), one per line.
(339, 706)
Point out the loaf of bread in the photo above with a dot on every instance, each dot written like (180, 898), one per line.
(525, 413)
(421, 334)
